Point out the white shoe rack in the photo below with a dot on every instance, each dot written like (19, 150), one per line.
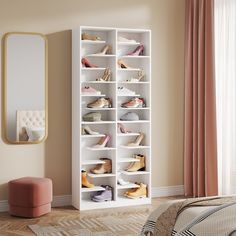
(83, 157)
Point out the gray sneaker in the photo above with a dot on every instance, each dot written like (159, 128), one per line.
(103, 196)
(130, 116)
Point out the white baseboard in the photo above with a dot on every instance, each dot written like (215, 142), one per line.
(65, 200)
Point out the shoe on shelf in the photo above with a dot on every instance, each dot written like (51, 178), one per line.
(125, 40)
(140, 192)
(122, 129)
(122, 182)
(131, 190)
(105, 50)
(103, 168)
(137, 165)
(138, 51)
(87, 130)
(92, 116)
(100, 103)
(137, 141)
(87, 90)
(103, 196)
(102, 142)
(130, 116)
(86, 36)
(124, 91)
(106, 76)
(140, 77)
(123, 65)
(85, 182)
(86, 63)
(134, 103)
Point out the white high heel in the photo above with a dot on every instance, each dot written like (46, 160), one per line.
(137, 142)
(87, 130)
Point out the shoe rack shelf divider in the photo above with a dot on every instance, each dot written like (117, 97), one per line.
(83, 155)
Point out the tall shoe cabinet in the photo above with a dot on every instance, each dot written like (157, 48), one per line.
(84, 157)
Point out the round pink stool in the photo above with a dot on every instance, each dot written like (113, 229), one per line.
(30, 197)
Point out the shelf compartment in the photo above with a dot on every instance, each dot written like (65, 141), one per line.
(127, 186)
(92, 162)
(101, 149)
(94, 189)
(128, 44)
(93, 135)
(128, 159)
(134, 147)
(92, 68)
(100, 175)
(134, 173)
(130, 69)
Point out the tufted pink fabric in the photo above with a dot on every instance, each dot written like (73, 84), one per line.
(30, 196)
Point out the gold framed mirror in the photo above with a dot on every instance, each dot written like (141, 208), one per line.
(24, 88)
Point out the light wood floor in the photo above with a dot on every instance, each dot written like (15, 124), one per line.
(15, 226)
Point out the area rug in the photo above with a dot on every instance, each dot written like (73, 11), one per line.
(125, 224)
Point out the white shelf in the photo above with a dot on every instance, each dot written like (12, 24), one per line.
(98, 82)
(84, 155)
(100, 109)
(134, 57)
(97, 122)
(93, 95)
(127, 134)
(129, 69)
(134, 173)
(134, 108)
(92, 42)
(94, 189)
(93, 135)
(128, 44)
(101, 149)
(92, 68)
(92, 162)
(135, 121)
(100, 175)
(100, 55)
(127, 186)
(128, 159)
(134, 147)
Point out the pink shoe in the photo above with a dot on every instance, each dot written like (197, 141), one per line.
(138, 51)
(102, 142)
(86, 63)
(87, 90)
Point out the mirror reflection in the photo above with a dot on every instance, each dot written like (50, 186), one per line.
(25, 87)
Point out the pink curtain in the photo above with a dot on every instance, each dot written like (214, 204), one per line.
(200, 151)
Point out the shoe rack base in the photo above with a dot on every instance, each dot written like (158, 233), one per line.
(84, 156)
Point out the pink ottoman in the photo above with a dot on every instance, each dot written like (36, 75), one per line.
(30, 196)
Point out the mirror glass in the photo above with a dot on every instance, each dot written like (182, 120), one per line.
(25, 88)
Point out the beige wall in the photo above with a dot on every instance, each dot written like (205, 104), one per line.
(53, 158)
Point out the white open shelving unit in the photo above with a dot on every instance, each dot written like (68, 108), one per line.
(83, 155)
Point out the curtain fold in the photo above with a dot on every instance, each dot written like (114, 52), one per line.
(200, 151)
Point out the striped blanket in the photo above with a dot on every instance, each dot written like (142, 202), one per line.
(201, 217)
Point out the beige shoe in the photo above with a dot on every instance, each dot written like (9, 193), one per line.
(140, 192)
(100, 103)
(106, 76)
(86, 36)
(103, 168)
(137, 142)
(85, 182)
(106, 50)
(137, 165)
